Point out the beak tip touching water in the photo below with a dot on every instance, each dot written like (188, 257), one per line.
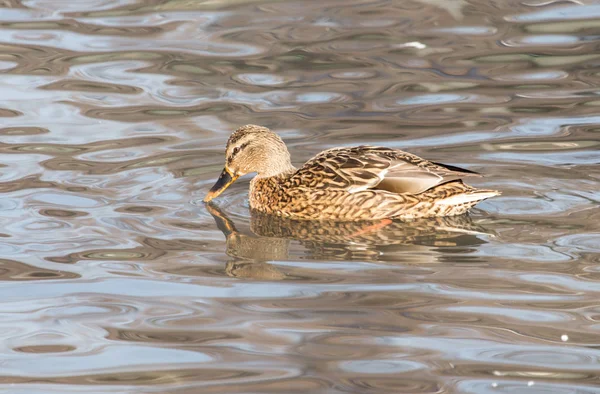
(225, 180)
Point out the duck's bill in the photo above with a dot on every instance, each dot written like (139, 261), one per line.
(225, 180)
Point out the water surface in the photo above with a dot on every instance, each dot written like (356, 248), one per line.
(115, 278)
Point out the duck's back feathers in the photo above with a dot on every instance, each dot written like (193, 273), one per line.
(369, 167)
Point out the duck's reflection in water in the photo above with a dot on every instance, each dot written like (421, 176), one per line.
(271, 238)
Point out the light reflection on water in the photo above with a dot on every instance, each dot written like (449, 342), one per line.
(116, 278)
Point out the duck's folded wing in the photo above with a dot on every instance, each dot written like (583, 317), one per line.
(367, 167)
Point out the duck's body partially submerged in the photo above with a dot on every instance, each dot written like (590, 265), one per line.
(358, 183)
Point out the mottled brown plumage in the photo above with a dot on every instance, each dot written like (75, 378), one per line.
(357, 183)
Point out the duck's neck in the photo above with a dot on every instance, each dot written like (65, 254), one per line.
(280, 171)
(266, 188)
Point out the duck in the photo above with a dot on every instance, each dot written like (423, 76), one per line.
(344, 184)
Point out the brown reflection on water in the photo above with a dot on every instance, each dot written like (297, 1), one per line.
(114, 277)
(11, 270)
(362, 241)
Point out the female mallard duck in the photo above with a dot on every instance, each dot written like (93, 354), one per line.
(358, 183)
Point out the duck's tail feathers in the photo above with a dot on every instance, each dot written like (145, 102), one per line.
(458, 204)
(469, 198)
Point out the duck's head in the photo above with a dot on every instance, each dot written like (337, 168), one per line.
(250, 149)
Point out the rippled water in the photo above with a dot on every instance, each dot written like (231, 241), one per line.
(116, 278)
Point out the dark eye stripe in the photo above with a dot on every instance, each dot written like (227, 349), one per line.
(237, 149)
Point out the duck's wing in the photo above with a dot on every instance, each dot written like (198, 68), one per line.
(371, 167)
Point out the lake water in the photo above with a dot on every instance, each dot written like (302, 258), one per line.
(116, 278)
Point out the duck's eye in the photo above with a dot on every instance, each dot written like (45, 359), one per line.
(235, 151)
